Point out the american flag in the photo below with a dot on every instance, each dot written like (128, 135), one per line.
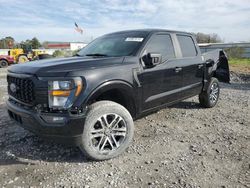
(78, 29)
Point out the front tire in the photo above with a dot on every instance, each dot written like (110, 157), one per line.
(107, 132)
(209, 98)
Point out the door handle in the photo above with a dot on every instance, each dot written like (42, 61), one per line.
(200, 66)
(178, 69)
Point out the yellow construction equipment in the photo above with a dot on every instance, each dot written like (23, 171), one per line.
(37, 52)
(20, 56)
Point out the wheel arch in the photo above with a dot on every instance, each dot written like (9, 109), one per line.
(218, 67)
(5, 59)
(117, 91)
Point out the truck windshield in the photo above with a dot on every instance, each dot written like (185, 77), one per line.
(112, 45)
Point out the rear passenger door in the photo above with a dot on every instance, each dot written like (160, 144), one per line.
(192, 65)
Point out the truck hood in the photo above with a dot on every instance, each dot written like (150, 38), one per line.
(61, 66)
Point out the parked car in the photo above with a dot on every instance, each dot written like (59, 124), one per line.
(5, 61)
(91, 100)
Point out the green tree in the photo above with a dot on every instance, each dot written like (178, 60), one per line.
(7, 42)
(35, 43)
(26, 45)
(30, 44)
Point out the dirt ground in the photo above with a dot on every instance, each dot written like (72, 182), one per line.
(180, 146)
(243, 69)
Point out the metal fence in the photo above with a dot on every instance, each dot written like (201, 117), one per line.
(212, 46)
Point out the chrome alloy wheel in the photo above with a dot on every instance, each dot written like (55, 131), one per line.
(108, 133)
(214, 92)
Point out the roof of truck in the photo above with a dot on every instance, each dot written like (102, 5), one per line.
(148, 31)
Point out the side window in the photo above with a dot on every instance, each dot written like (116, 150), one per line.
(187, 46)
(161, 44)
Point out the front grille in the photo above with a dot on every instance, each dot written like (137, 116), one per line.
(21, 88)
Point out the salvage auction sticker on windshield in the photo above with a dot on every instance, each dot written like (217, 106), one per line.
(134, 39)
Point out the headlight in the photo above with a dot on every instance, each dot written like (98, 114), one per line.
(62, 93)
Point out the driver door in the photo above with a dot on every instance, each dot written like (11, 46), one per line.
(161, 83)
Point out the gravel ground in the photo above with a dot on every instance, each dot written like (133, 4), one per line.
(180, 146)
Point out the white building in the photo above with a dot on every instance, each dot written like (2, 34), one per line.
(4, 51)
(65, 45)
(76, 46)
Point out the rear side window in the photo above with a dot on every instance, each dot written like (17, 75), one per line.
(161, 44)
(187, 46)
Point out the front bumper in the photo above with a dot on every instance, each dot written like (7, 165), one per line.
(69, 131)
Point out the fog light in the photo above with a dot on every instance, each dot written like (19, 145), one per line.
(58, 119)
(54, 119)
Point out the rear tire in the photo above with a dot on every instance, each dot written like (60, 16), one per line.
(107, 132)
(3, 63)
(209, 98)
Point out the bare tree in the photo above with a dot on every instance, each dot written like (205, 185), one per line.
(207, 38)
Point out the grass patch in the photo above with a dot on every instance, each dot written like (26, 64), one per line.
(245, 61)
(240, 65)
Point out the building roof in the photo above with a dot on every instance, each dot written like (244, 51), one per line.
(63, 42)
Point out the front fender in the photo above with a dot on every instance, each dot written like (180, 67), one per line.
(126, 90)
(109, 85)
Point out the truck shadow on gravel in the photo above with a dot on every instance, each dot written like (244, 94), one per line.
(186, 105)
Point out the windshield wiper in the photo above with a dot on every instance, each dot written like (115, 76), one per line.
(97, 54)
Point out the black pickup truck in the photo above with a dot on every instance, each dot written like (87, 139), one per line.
(91, 99)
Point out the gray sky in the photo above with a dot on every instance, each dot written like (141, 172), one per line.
(54, 20)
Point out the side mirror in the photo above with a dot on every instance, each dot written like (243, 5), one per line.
(152, 59)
